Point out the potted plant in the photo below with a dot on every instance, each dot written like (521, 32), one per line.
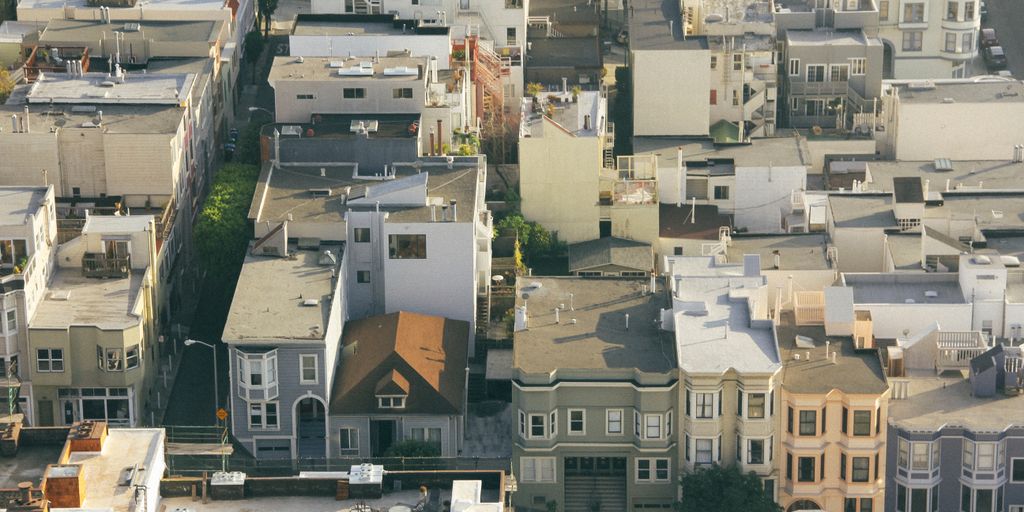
(534, 89)
(576, 90)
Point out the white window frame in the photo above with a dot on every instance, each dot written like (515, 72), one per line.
(807, 73)
(747, 402)
(1009, 477)
(553, 423)
(263, 425)
(532, 470)
(794, 64)
(702, 404)
(652, 470)
(543, 426)
(765, 458)
(267, 371)
(50, 359)
(608, 422)
(569, 422)
(352, 434)
(523, 424)
(833, 67)
(858, 66)
(391, 401)
(129, 364)
(303, 358)
(696, 451)
(11, 321)
(660, 425)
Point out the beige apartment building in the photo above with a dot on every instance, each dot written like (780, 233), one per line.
(834, 406)
(93, 336)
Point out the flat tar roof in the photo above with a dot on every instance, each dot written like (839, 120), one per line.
(777, 151)
(599, 338)
(649, 27)
(978, 90)
(990, 210)
(116, 118)
(796, 252)
(899, 288)
(322, 68)
(570, 115)
(102, 303)
(19, 203)
(862, 210)
(713, 326)
(28, 465)
(854, 372)
(60, 30)
(946, 400)
(558, 52)
(286, 190)
(278, 311)
(136, 88)
(991, 174)
(124, 448)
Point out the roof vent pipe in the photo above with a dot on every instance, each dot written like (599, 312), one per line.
(25, 118)
(565, 85)
(14, 123)
(455, 210)
(627, 321)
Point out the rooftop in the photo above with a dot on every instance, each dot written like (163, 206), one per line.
(905, 249)
(739, 11)
(854, 372)
(395, 68)
(421, 356)
(155, 5)
(796, 252)
(591, 333)
(408, 498)
(971, 90)
(116, 118)
(124, 448)
(777, 151)
(619, 252)
(558, 52)
(650, 27)
(20, 203)
(830, 38)
(715, 329)
(862, 210)
(74, 300)
(570, 116)
(28, 465)
(940, 400)
(677, 221)
(989, 174)
(345, 25)
(99, 88)
(61, 30)
(902, 288)
(285, 192)
(991, 210)
(294, 299)
(14, 31)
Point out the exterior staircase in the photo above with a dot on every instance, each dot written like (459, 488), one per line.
(581, 492)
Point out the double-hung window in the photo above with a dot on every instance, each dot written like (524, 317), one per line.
(704, 406)
(652, 470)
(808, 423)
(537, 427)
(613, 421)
(537, 469)
(652, 426)
(755, 405)
(755, 451)
(704, 450)
(349, 441)
(577, 422)
(49, 360)
(862, 423)
(263, 415)
(308, 370)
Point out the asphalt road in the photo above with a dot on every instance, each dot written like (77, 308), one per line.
(1007, 17)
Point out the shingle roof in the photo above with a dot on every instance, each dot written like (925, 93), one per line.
(424, 356)
(610, 251)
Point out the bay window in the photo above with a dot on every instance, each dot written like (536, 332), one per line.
(257, 375)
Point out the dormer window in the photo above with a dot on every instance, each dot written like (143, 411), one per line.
(391, 402)
(392, 390)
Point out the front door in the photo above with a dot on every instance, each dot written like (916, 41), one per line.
(69, 409)
(382, 436)
(46, 413)
(311, 428)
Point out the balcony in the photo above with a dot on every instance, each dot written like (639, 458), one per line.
(954, 350)
(103, 266)
(14, 277)
(819, 88)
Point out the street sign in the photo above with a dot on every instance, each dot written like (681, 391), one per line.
(222, 414)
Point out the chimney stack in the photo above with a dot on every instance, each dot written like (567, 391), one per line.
(455, 210)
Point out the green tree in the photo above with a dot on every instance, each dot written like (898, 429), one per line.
(222, 233)
(254, 43)
(413, 448)
(534, 239)
(718, 489)
(267, 8)
(248, 146)
(6, 85)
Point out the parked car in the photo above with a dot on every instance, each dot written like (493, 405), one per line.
(988, 38)
(995, 58)
(983, 11)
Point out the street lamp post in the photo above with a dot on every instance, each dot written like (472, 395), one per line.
(216, 394)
